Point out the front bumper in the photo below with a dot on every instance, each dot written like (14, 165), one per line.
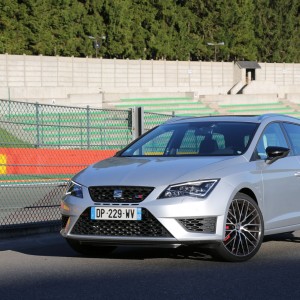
(168, 222)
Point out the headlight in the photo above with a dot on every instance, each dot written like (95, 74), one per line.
(198, 189)
(74, 189)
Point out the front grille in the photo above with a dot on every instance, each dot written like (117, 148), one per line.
(119, 194)
(203, 225)
(149, 226)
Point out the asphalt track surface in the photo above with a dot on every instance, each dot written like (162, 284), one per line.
(44, 267)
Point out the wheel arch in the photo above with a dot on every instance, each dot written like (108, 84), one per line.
(250, 193)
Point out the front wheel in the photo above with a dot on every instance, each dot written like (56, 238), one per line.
(89, 250)
(244, 230)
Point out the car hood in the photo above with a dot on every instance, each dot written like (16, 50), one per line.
(152, 171)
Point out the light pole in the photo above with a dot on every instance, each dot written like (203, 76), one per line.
(97, 42)
(215, 45)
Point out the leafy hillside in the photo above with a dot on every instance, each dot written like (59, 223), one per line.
(263, 30)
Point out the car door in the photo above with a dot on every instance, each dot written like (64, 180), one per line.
(281, 201)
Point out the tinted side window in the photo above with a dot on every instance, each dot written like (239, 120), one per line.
(293, 132)
(272, 136)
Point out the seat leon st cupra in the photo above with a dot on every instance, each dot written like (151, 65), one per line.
(222, 183)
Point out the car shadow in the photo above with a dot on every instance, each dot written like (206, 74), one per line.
(282, 237)
(142, 253)
(53, 245)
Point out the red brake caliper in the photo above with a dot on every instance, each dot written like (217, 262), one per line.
(228, 236)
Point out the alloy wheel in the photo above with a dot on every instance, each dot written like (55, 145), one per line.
(243, 230)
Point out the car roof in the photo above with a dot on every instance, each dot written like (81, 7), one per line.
(234, 118)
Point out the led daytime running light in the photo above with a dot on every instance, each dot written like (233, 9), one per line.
(198, 189)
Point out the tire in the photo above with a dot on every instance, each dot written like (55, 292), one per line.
(244, 230)
(90, 250)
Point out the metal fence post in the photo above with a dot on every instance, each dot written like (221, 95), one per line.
(37, 119)
(137, 122)
(59, 130)
(81, 135)
(88, 125)
(9, 108)
(141, 121)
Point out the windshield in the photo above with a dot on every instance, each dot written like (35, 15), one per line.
(194, 139)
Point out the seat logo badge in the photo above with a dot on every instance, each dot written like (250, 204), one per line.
(118, 193)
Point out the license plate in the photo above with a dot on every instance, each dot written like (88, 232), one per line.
(113, 213)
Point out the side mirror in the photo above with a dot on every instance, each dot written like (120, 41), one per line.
(275, 153)
(118, 153)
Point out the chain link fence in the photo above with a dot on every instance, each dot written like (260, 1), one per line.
(43, 146)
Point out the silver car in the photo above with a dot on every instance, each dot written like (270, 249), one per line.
(221, 183)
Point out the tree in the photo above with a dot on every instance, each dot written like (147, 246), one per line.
(119, 36)
(265, 30)
(93, 25)
(278, 30)
(13, 34)
(230, 22)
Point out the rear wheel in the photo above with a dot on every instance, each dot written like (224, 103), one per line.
(89, 250)
(244, 230)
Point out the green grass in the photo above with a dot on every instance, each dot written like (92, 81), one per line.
(9, 140)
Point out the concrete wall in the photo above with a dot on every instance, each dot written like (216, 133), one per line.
(282, 74)
(293, 97)
(111, 75)
(60, 80)
(269, 87)
(239, 75)
(281, 78)
(44, 71)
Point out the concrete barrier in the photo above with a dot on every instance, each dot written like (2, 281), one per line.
(97, 82)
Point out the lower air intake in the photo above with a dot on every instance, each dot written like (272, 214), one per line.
(149, 226)
(203, 225)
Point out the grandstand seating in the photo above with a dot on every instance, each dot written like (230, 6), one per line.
(179, 106)
(106, 129)
(262, 108)
(257, 108)
(184, 106)
(110, 129)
